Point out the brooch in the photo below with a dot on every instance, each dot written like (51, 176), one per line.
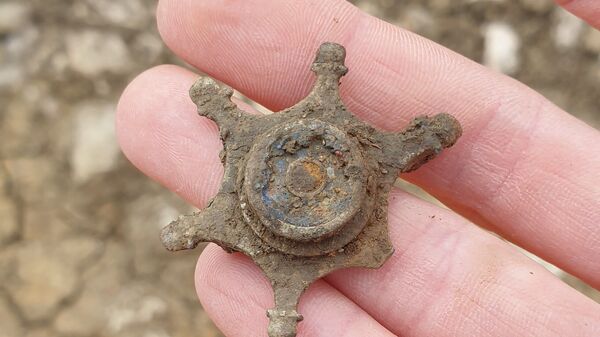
(305, 190)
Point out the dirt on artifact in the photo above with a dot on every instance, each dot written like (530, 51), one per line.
(303, 194)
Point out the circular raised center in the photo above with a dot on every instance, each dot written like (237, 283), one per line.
(304, 181)
(305, 177)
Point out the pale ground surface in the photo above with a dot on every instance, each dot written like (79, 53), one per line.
(79, 249)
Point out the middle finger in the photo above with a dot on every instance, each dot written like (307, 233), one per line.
(517, 147)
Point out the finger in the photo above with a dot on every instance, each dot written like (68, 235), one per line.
(448, 278)
(236, 296)
(428, 279)
(589, 10)
(523, 168)
(161, 134)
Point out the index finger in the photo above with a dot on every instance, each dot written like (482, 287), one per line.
(523, 168)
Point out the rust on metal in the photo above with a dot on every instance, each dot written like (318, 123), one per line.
(305, 190)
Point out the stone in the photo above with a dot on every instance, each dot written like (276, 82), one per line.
(145, 216)
(9, 227)
(370, 7)
(16, 51)
(501, 51)
(102, 283)
(178, 278)
(440, 5)
(417, 19)
(40, 281)
(80, 250)
(591, 40)
(567, 29)
(32, 107)
(21, 43)
(95, 149)
(11, 326)
(28, 174)
(538, 6)
(141, 309)
(17, 122)
(148, 47)
(83, 318)
(11, 76)
(45, 222)
(92, 52)
(13, 15)
(115, 304)
(41, 332)
(127, 14)
(189, 320)
(135, 305)
(8, 262)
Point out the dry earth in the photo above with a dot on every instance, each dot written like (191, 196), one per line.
(79, 249)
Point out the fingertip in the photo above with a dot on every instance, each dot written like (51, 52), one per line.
(233, 289)
(164, 22)
(160, 132)
(138, 101)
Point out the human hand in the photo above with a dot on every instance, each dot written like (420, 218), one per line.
(524, 169)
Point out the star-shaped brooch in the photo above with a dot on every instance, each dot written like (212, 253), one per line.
(305, 190)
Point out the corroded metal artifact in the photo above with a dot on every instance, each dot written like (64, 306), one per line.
(305, 190)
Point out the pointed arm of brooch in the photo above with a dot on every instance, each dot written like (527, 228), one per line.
(214, 101)
(421, 141)
(208, 225)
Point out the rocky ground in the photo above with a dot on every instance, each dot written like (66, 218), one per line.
(79, 252)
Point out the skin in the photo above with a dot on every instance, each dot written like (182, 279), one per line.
(524, 169)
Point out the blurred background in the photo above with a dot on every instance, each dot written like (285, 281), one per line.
(79, 248)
